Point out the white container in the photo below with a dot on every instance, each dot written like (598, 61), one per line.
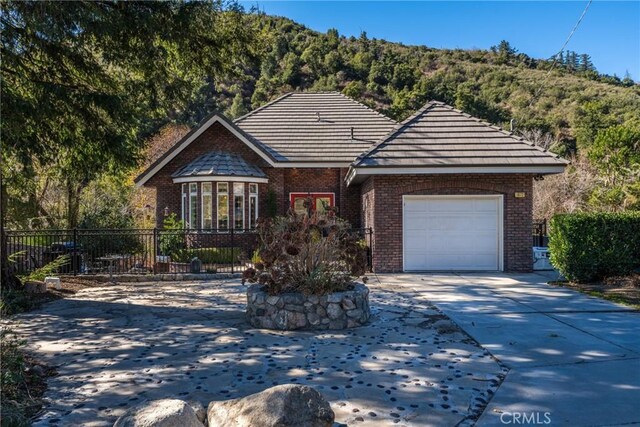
(53, 281)
(541, 258)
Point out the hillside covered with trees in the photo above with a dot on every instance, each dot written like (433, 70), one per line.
(560, 103)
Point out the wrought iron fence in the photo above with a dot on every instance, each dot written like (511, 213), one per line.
(540, 237)
(138, 251)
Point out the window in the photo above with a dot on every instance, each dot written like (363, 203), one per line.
(193, 205)
(238, 205)
(319, 202)
(253, 205)
(184, 204)
(207, 205)
(223, 205)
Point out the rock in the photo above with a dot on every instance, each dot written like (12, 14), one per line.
(334, 297)
(35, 287)
(356, 313)
(288, 405)
(160, 413)
(334, 311)
(199, 409)
(347, 304)
(273, 299)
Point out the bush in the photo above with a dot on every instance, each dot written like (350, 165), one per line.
(591, 246)
(314, 254)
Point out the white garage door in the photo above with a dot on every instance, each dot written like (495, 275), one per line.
(452, 233)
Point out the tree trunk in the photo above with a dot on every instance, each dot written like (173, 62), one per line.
(8, 278)
(73, 203)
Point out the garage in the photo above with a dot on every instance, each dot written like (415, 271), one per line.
(459, 233)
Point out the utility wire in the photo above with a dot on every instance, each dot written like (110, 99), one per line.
(555, 57)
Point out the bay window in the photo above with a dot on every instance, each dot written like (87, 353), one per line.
(238, 205)
(253, 205)
(184, 205)
(207, 205)
(223, 206)
(193, 205)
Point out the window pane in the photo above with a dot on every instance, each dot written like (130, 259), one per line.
(322, 203)
(223, 211)
(238, 211)
(193, 209)
(223, 187)
(298, 205)
(253, 188)
(207, 211)
(238, 188)
(253, 211)
(206, 187)
(184, 204)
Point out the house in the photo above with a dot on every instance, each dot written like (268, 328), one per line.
(441, 190)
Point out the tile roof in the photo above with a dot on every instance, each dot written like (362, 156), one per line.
(315, 127)
(219, 163)
(439, 135)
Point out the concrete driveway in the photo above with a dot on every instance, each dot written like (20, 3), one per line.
(572, 359)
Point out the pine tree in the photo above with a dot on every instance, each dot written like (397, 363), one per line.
(585, 63)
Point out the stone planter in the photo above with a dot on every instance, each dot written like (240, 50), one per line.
(338, 310)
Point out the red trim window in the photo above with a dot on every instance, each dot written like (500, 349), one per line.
(320, 202)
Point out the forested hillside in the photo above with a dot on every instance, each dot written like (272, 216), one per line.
(563, 104)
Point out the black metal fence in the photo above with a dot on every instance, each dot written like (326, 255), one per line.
(540, 237)
(138, 251)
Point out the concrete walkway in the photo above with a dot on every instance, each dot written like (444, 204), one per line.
(573, 360)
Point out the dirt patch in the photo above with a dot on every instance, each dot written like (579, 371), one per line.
(24, 381)
(620, 289)
(19, 301)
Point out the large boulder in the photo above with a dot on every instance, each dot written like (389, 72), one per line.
(160, 413)
(288, 405)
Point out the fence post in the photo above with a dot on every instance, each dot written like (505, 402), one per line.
(233, 258)
(371, 248)
(155, 249)
(74, 254)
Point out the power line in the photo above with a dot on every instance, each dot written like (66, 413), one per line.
(555, 57)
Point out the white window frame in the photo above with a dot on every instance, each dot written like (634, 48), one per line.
(204, 194)
(184, 204)
(237, 185)
(218, 194)
(253, 196)
(193, 213)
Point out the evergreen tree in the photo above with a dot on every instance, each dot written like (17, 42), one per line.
(237, 108)
(585, 63)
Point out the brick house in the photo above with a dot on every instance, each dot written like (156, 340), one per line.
(441, 190)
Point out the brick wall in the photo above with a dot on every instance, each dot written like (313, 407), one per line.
(281, 180)
(385, 212)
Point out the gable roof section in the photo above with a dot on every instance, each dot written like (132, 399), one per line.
(315, 127)
(441, 139)
(183, 143)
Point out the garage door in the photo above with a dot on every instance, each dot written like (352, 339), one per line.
(452, 233)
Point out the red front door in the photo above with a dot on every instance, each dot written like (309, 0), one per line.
(320, 201)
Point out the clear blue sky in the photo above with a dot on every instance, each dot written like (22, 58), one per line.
(610, 32)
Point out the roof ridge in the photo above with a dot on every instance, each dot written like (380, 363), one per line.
(505, 132)
(393, 132)
(268, 104)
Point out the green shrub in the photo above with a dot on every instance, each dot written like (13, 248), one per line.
(207, 255)
(591, 246)
(173, 237)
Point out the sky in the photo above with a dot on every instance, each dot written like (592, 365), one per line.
(610, 31)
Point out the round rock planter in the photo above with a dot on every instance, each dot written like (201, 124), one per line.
(339, 310)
